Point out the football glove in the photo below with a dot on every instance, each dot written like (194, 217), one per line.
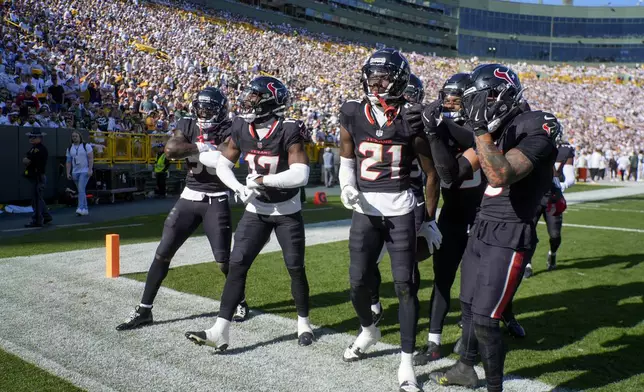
(203, 147)
(250, 181)
(430, 233)
(556, 205)
(482, 116)
(413, 115)
(209, 158)
(245, 195)
(432, 118)
(350, 197)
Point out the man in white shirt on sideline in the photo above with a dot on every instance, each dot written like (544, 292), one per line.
(327, 158)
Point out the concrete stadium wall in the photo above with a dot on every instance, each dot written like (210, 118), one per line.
(15, 145)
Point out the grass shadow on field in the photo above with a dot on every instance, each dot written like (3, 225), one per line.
(629, 261)
(569, 316)
(619, 362)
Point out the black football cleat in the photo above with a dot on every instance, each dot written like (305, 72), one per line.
(376, 317)
(431, 352)
(410, 386)
(552, 261)
(459, 374)
(200, 338)
(305, 339)
(458, 347)
(528, 271)
(515, 329)
(241, 313)
(140, 317)
(460, 324)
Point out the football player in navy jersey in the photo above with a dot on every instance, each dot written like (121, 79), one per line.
(273, 146)
(462, 189)
(377, 148)
(413, 94)
(553, 203)
(204, 200)
(516, 152)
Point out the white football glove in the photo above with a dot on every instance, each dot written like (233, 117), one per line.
(350, 196)
(245, 195)
(203, 147)
(250, 181)
(209, 158)
(432, 235)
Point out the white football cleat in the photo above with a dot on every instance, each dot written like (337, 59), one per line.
(365, 339)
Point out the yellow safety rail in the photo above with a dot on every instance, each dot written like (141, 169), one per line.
(121, 147)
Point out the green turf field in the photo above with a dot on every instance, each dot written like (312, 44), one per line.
(585, 320)
(72, 238)
(583, 187)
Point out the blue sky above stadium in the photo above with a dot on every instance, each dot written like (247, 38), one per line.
(591, 3)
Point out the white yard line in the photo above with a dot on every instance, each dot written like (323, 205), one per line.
(111, 227)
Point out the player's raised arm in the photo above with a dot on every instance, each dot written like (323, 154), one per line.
(179, 146)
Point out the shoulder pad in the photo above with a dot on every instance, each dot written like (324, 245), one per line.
(350, 107)
(535, 122)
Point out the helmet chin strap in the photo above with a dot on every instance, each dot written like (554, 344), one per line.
(390, 111)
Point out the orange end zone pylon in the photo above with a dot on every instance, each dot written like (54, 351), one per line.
(112, 256)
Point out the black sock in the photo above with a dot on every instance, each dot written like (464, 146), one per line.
(554, 244)
(468, 337)
(375, 288)
(488, 333)
(158, 271)
(300, 290)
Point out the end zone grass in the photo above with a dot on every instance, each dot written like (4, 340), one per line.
(17, 375)
(585, 320)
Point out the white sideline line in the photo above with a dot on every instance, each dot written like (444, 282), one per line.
(601, 227)
(585, 207)
(73, 224)
(111, 227)
(21, 229)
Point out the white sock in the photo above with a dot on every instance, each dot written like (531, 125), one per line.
(371, 331)
(145, 306)
(221, 329)
(303, 325)
(406, 369)
(434, 337)
(376, 308)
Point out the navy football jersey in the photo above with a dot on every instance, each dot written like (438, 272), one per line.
(201, 178)
(461, 202)
(383, 155)
(270, 154)
(527, 132)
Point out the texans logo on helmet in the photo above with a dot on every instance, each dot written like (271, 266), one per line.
(279, 93)
(549, 127)
(504, 75)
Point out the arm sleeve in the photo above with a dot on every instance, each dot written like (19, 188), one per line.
(445, 163)
(462, 135)
(347, 172)
(569, 177)
(68, 155)
(296, 176)
(226, 175)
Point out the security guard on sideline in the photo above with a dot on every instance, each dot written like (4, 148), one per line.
(161, 166)
(35, 163)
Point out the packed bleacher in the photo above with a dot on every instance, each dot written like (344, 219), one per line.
(134, 66)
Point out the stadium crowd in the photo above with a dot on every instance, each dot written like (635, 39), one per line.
(134, 66)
